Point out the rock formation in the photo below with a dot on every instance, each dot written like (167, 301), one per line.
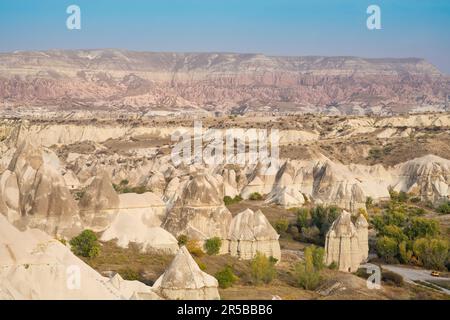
(36, 266)
(34, 193)
(183, 280)
(251, 232)
(199, 212)
(343, 244)
(427, 177)
(110, 78)
(362, 229)
(138, 221)
(99, 204)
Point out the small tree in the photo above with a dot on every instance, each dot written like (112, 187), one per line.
(227, 200)
(281, 225)
(212, 246)
(194, 248)
(387, 248)
(432, 253)
(369, 202)
(182, 240)
(302, 218)
(85, 244)
(262, 269)
(444, 208)
(226, 277)
(422, 228)
(308, 272)
(404, 253)
(255, 196)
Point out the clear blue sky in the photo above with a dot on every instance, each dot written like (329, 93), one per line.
(410, 28)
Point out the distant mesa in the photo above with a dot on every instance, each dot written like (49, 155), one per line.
(218, 82)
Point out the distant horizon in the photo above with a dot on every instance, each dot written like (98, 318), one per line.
(274, 28)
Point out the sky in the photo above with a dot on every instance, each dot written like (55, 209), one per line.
(409, 28)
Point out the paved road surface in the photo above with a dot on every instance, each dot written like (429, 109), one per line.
(411, 274)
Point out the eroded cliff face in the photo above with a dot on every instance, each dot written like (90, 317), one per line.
(39, 181)
(34, 193)
(218, 81)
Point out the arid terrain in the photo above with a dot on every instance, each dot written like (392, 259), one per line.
(79, 188)
(149, 83)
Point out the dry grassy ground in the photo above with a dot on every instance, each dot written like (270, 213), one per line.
(147, 267)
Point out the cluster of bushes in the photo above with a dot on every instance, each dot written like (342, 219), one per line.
(194, 248)
(229, 200)
(211, 246)
(444, 208)
(392, 278)
(226, 277)
(255, 196)
(407, 238)
(308, 273)
(313, 223)
(79, 194)
(85, 244)
(281, 225)
(262, 269)
(130, 274)
(123, 187)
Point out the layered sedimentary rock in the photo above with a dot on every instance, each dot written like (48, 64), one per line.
(99, 204)
(112, 78)
(36, 266)
(34, 193)
(345, 244)
(251, 232)
(138, 221)
(199, 212)
(183, 280)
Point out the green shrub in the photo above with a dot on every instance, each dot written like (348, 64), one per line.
(391, 277)
(421, 228)
(227, 200)
(194, 248)
(387, 248)
(369, 202)
(362, 273)
(311, 235)
(333, 266)
(212, 246)
(318, 254)
(201, 265)
(281, 225)
(262, 269)
(255, 196)
(394, 232)
(130, 274)
(182, 240)
(444, 208)
(415, 199)
(322, 217)
(124, 182)
(303, 218)
(307, 273)
(85, 244)
(226, 277)
(404, 253)
(79, 194)
(432, 253)
(237, 198)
